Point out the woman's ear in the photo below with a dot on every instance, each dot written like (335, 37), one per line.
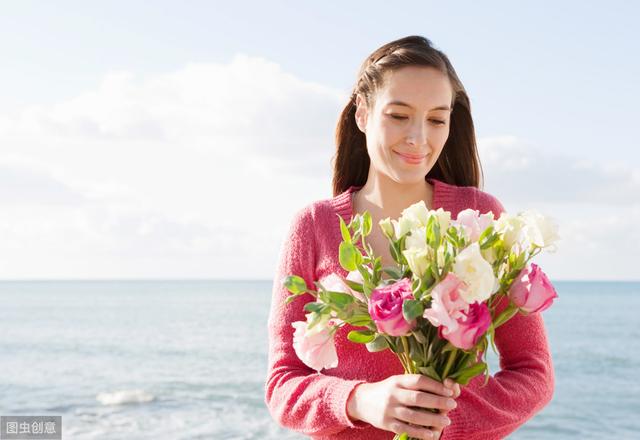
(361, 113)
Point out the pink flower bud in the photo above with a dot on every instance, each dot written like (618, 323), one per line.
(532, 291)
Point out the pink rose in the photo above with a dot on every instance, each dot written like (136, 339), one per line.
(459, 322)
(532, 291)
(315, 347)
(385, 308)
(447, 305)
(474, 223)
(470, 329)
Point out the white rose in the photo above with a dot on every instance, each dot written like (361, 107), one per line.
(476, 272)
(440, 257)
(543, 231)
(417, 213)
(404, 225)
(512, 229)
(489, 254)
(418, 260)
(387, 227)
(417, 239)
(444, 219)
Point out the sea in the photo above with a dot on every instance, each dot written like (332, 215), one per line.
(186, 359)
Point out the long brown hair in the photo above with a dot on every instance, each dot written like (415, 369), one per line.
(458, 163)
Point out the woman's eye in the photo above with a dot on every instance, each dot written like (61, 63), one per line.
(437, 121)
(398, 117)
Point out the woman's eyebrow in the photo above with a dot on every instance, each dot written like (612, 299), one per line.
(440, 107)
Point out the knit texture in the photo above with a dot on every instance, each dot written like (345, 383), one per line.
(315, 404)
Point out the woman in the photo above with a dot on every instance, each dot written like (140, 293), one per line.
(406, 135)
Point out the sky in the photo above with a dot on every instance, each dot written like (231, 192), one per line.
(177, 140)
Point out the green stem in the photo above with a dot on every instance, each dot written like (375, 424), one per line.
(406, 352)
(450, 359)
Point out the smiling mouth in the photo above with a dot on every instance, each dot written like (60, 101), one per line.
(411, 158)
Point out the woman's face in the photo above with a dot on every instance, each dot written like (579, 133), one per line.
(408, 124)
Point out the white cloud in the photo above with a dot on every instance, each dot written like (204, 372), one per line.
(596, 205)
(521, 171)
(180, 166)
(197, 173)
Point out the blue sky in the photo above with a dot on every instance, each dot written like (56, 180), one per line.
(89, 85)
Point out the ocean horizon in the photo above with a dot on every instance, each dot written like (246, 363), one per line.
(186, 358)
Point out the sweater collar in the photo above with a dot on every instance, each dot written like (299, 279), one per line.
(443, 197)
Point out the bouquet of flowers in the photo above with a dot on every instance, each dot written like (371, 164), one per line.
(453, 283)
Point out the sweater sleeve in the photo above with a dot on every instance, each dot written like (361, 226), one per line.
(298, 397)
(522, 387)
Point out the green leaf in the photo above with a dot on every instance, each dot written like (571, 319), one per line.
(508, 313)
(361, 336)
(291, 297)
(489, 242)
(359, 320)
(452, 232)
(366, 223)
(348, 258)
(420, 337)
(431, 372)
(367, 289)
(393, 272)
(378, 344)
(393, 250)
(315, 319)
(355, 286)
(344, 230)
(436, 233)
(492, 334)
(411, 309)
(488, 231)
(465, 375)
(339, 299)
(430, 235)
(433, 269)
(356, 223)
(295, 284)
(448, 347)
(364, 272)
(428, 279)
(315, 307)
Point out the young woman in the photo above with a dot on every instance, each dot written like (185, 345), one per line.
(406, 135)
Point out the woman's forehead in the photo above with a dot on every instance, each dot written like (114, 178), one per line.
(417, 87)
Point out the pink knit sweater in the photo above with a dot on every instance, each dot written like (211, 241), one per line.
(314, 404)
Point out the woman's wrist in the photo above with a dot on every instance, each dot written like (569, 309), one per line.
(353, 401)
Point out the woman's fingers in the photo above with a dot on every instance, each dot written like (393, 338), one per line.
(399, 427)
(455, 387)
(424, 400)
(423, 383)
(419, 416)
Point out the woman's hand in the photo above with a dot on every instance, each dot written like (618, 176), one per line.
(455, 387)
(394, 404)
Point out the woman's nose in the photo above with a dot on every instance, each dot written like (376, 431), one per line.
(417, 134)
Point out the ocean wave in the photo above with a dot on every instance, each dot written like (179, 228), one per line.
(122, 397)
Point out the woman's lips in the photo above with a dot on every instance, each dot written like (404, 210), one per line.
(411, 158)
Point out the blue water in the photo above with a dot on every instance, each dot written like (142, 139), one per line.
(190, 359)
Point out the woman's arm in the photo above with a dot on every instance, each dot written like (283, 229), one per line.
(298, 397)
(522, 387)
